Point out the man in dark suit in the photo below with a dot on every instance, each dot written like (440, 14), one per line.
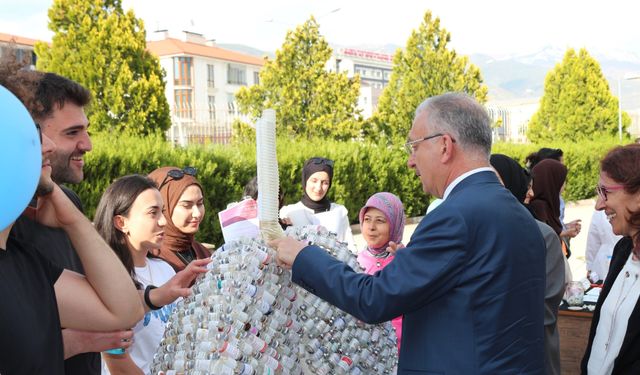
(470, 283)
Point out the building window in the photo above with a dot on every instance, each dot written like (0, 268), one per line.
(231, 104)
(256, 78)
(236, 74)
(210, 76)
(182, 68)
(184, 103)
(212, 107)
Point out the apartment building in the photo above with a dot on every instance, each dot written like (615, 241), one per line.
(374, 69)
(23, 47)
(202, 80)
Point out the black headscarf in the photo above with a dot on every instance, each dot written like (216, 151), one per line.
(311, 166)
(515, 178)
(512, 174)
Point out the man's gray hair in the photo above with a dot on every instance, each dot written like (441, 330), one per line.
(462, 117)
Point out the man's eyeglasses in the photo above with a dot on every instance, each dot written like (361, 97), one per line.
(321, 161)
(176, 174)
(39, 132)
(411, 145)
(603, 190)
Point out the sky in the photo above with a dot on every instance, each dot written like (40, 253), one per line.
(498, 28)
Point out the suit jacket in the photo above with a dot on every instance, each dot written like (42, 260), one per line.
(553, 292)
(628, 360)
(470, 285)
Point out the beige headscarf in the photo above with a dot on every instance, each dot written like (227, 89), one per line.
(174, 239)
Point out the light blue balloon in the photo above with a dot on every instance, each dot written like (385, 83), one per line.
(20, 158)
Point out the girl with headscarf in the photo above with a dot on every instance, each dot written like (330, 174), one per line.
(382, 226)
(184, 210)
(550, 176)
(315, 208)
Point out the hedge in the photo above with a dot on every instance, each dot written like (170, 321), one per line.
(361, 169)
(582, 160)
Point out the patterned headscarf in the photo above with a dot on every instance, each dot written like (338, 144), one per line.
(393, 210)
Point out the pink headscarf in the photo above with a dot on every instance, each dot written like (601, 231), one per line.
(393, 210)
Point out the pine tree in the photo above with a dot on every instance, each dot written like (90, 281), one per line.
(577, 102)
(309, 100)
(425, 68)
(100, 46)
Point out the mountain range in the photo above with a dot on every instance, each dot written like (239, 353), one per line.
(522, 76)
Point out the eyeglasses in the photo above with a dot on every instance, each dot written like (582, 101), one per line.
(321, 161)
(39, 132)
(177, 174)
(603, 190)
(411, 145)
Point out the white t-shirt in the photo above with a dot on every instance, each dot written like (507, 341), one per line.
(614, 318)
(335, 220)
(149, 331)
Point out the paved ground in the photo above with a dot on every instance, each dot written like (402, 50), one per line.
(574, 210)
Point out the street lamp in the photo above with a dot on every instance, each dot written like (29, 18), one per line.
(627, 77)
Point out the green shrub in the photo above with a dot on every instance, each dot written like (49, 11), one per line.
(582, 160)
(361, 169)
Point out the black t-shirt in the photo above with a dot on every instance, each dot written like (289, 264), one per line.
(55, 245)
(31, 340)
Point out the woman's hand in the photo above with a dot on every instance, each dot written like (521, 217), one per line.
(394, 247)
(286, 221)
(179, 284)
(572, 229)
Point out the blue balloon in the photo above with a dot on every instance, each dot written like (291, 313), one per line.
(20, 158)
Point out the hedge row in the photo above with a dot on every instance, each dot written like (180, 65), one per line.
(582, 160)
(361, 169)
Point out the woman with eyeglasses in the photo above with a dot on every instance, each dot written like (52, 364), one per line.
(184, 210)
(614, 340)
(129, 217)
(315, 208)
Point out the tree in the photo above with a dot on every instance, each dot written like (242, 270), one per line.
(577, 103)
(425, 68)
(309, 100)
(104, 49)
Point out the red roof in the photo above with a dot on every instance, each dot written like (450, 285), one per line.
(8, 38)
(171, 46)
